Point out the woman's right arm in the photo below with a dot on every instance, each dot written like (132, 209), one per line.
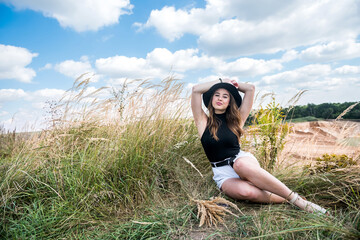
(200, 117)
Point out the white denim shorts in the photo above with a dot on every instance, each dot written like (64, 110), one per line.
(221, 174)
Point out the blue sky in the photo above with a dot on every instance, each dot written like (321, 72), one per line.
(280, 46)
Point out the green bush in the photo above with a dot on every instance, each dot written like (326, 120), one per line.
(329, 162)
(269, 130)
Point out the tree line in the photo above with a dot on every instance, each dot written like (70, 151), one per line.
(324, 111)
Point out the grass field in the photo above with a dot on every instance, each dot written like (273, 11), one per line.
(125, 167)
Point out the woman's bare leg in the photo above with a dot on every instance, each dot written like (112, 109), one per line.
(243, 190)
(249, 169)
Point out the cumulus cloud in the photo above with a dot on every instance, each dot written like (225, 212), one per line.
(250, 10)
(319, 77)
(157, 64)
(23, 120)
(46, 67)
(13, 62)
(180, 21)
(3, 113)
(182, 60)
(199, 20)
(34, 104)
(47, 93)
(80, 15)
(248, 67)
(74, 69)
(232, 28)
(128, 67)
(332, 51)
(30, 116)
(7, 95)
(304, 24)
(347, 70)
(160, 62)
(308, 73)
(289, 55)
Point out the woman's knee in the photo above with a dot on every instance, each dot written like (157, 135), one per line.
(242, 193)
(239, 189)
(248, 194)
(245, 167)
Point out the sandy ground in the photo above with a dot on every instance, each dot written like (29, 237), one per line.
(309, 140)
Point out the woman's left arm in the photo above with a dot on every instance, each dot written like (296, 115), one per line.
(248, 100)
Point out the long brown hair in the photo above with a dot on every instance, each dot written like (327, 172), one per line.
(233, 119)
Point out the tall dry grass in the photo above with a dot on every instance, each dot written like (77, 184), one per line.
(107, 155)
(125, 163)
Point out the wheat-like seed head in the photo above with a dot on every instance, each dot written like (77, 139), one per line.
(346, 111)
(211, 213)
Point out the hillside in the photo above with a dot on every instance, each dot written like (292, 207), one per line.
(308, 140)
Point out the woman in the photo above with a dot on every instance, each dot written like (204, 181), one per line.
(237, 173)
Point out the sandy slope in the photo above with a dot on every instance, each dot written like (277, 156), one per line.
(309, 140)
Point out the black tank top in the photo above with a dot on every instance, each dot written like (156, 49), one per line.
(226, 146)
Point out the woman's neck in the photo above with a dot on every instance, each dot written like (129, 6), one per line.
(219, 112)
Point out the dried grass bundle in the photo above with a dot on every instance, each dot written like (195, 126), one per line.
(211, 212)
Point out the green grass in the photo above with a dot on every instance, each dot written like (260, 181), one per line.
(127, 179)
(305, 119)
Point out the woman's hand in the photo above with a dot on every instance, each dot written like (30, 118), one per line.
(233, 82)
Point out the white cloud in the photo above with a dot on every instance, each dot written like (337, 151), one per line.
(199, 20)
(248, 67)
(75, 69)
(332, 51)
(289, 56)
(28, 117)
(35, 106)
(318, 79)
(13, 62)
(158, 64)
(208, 78)
(182, 60)
(180, 21)
(3, 113)
(7, 95)
(348, 70)
(161, 62)
(48, 93)
(250, 10)
(23, 120)
(308, 73)
(46, 67)
(325, 84)
(233, 28)
(305, 23)
(127, 67)
(80, 15)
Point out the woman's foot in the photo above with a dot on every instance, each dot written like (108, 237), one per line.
(306, 205)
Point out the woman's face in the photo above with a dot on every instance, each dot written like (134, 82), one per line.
(220, 100)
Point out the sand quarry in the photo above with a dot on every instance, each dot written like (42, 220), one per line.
(309, 140)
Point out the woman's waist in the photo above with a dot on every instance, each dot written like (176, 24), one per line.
(214, 158)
